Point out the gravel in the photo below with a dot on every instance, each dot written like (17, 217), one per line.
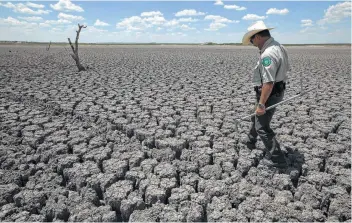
(148, 134)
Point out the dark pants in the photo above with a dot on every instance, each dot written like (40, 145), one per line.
(261, 127)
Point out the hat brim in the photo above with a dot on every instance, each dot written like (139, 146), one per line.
(248, 35)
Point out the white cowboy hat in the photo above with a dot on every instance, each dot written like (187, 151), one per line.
(254, 29)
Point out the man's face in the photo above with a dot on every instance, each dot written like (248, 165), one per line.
(253, 40)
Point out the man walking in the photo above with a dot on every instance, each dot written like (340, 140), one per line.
(269, 77)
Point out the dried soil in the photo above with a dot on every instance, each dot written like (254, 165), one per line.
(148, 134)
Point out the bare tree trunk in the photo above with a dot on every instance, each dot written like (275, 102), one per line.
(48, 48)
(75, 49)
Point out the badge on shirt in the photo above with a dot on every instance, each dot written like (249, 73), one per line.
(266, 61)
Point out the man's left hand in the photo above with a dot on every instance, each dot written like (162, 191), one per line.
(260, 111)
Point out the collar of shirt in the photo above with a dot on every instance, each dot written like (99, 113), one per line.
(266, 44)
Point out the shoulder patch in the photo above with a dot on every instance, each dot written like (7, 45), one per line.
(266, 61)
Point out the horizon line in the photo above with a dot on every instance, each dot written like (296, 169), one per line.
(155, 43)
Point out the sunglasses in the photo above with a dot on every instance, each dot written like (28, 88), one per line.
(251, 39)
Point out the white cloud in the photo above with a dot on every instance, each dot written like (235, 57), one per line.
(306, 22)
(253, 17)
(13, 21)
(277, 11)
(218, 22)
(236, 7)
(56, 29)
(214, 26)
(178, 34)
(69, 17)
(155, 20)
(44, 25)
(186, 27)
(138, 23)
(31, 18)
(218, 2)
(187, 20)
(33, 5)
(308, 30)
(152, 13)
(335, 13)
(100, 23)
(132, 23)
(171, 23)
(21, 8)
(66, 5)
(189, 12)
(55, 22)
(93, 29)
(219, 19)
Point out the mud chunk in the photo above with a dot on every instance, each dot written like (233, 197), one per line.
(154, 194)
(89, 213)
(170, 214)
(78, 174)
(212, 188)
(142, 134)
(148, 165)
(165, 170)
(283, 197)
(252, 204)
(195, 213)
(340, 207)
(307, 194)
(7, 210)
(115, 166)
(56, 209)
(150, 180)
(100, 182)
(200, 156)
(180, 194)
(136, 159)
(211, 172)
(199, 198)
(121, 123)
(174, 144)
(219, 204)
(162, 155)
(282, 182)
(31, 200)
(98, 155)
(135, 176)
(168, 184)
(96, 142)
(186, 166)
(190, 179)
(321, 179)
(117, 192)
(66, 161)
(132, 203)
(244, 164)
(7, 192)
(90, 195)
(147, 215)
(80, 149)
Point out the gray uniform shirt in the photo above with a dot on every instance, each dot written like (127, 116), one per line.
(272, 65)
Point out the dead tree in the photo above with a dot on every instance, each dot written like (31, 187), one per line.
(48, 48)
(75, 49)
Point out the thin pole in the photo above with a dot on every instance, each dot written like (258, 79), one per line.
(273, 106)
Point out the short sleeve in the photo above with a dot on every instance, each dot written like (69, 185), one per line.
(269, 67)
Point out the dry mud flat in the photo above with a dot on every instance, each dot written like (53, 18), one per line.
(147, 134)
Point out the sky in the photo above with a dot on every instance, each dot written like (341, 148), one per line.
(294, 22)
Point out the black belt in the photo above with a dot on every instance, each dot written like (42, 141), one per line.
(278, 88)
